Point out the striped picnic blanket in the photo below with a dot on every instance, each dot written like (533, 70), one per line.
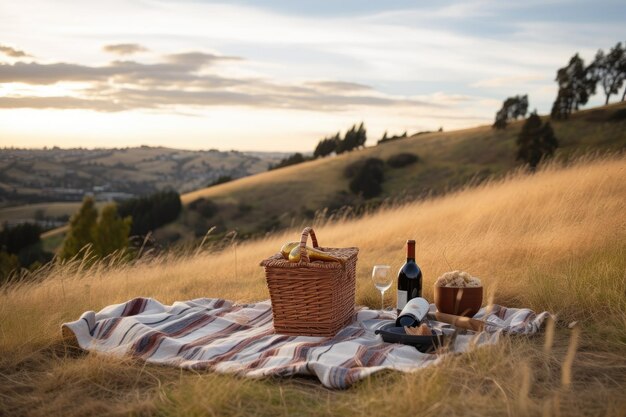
(221, 336)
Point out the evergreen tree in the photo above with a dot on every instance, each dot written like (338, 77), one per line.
(349, 140)
(353, 139)
(535, 141)
(111, 232)
(576, 84)
(81, 229)
(152, 211)
(361, 135)
(326, 146)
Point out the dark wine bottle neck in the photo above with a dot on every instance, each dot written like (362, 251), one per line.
(410, 250)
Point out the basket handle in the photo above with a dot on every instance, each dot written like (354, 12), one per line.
(308, 231)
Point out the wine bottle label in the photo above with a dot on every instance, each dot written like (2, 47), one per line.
(413, 312)
(418, 307)
(401, 299)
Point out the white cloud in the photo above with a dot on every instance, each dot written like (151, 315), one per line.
(511, 81)
(402, 59)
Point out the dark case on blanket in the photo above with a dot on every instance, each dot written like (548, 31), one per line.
(425, 344)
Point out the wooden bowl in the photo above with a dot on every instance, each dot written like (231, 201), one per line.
(459, 301)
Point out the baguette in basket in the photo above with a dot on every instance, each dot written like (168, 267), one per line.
(291, 252)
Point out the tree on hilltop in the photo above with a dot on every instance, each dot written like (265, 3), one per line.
(354, 138)
(361, 136)
(576, 84)
(326, 146)
(512, 108)
(610, 70)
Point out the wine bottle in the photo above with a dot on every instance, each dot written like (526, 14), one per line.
(409, 278)
(413, 313)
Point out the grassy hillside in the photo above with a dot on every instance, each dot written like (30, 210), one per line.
(273, 200)
(550, 241)
(49, 210)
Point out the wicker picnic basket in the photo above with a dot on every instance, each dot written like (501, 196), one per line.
(312, 298)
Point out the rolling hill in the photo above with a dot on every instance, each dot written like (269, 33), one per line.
(273, 200)
(48, 185)
(551, 241)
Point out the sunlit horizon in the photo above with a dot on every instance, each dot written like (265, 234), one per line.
(275, 76)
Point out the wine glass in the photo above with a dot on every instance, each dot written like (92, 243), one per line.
(382, 277)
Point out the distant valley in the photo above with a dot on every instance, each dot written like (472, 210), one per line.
(37, 177)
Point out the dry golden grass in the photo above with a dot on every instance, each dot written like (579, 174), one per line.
(553, 241)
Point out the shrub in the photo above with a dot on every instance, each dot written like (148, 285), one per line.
(402, 159)
(368, 178)
(351, 169)
(204, 206)
(221, 180)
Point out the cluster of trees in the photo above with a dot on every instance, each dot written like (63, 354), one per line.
(577, 82)
(296, 158)
(354, 138)
(104, 234)
(152, 211)
(386, 138)
(20, 246)
(109, 231)
(536, 141)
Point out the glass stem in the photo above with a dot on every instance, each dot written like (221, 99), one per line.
(382, 300)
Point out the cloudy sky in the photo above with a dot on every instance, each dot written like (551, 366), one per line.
(278, 75)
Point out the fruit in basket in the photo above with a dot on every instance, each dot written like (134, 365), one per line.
(287, 248)
(314, 255)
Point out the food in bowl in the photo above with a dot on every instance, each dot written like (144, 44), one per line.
(458, 293)
(422, 330)
(457, 279)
